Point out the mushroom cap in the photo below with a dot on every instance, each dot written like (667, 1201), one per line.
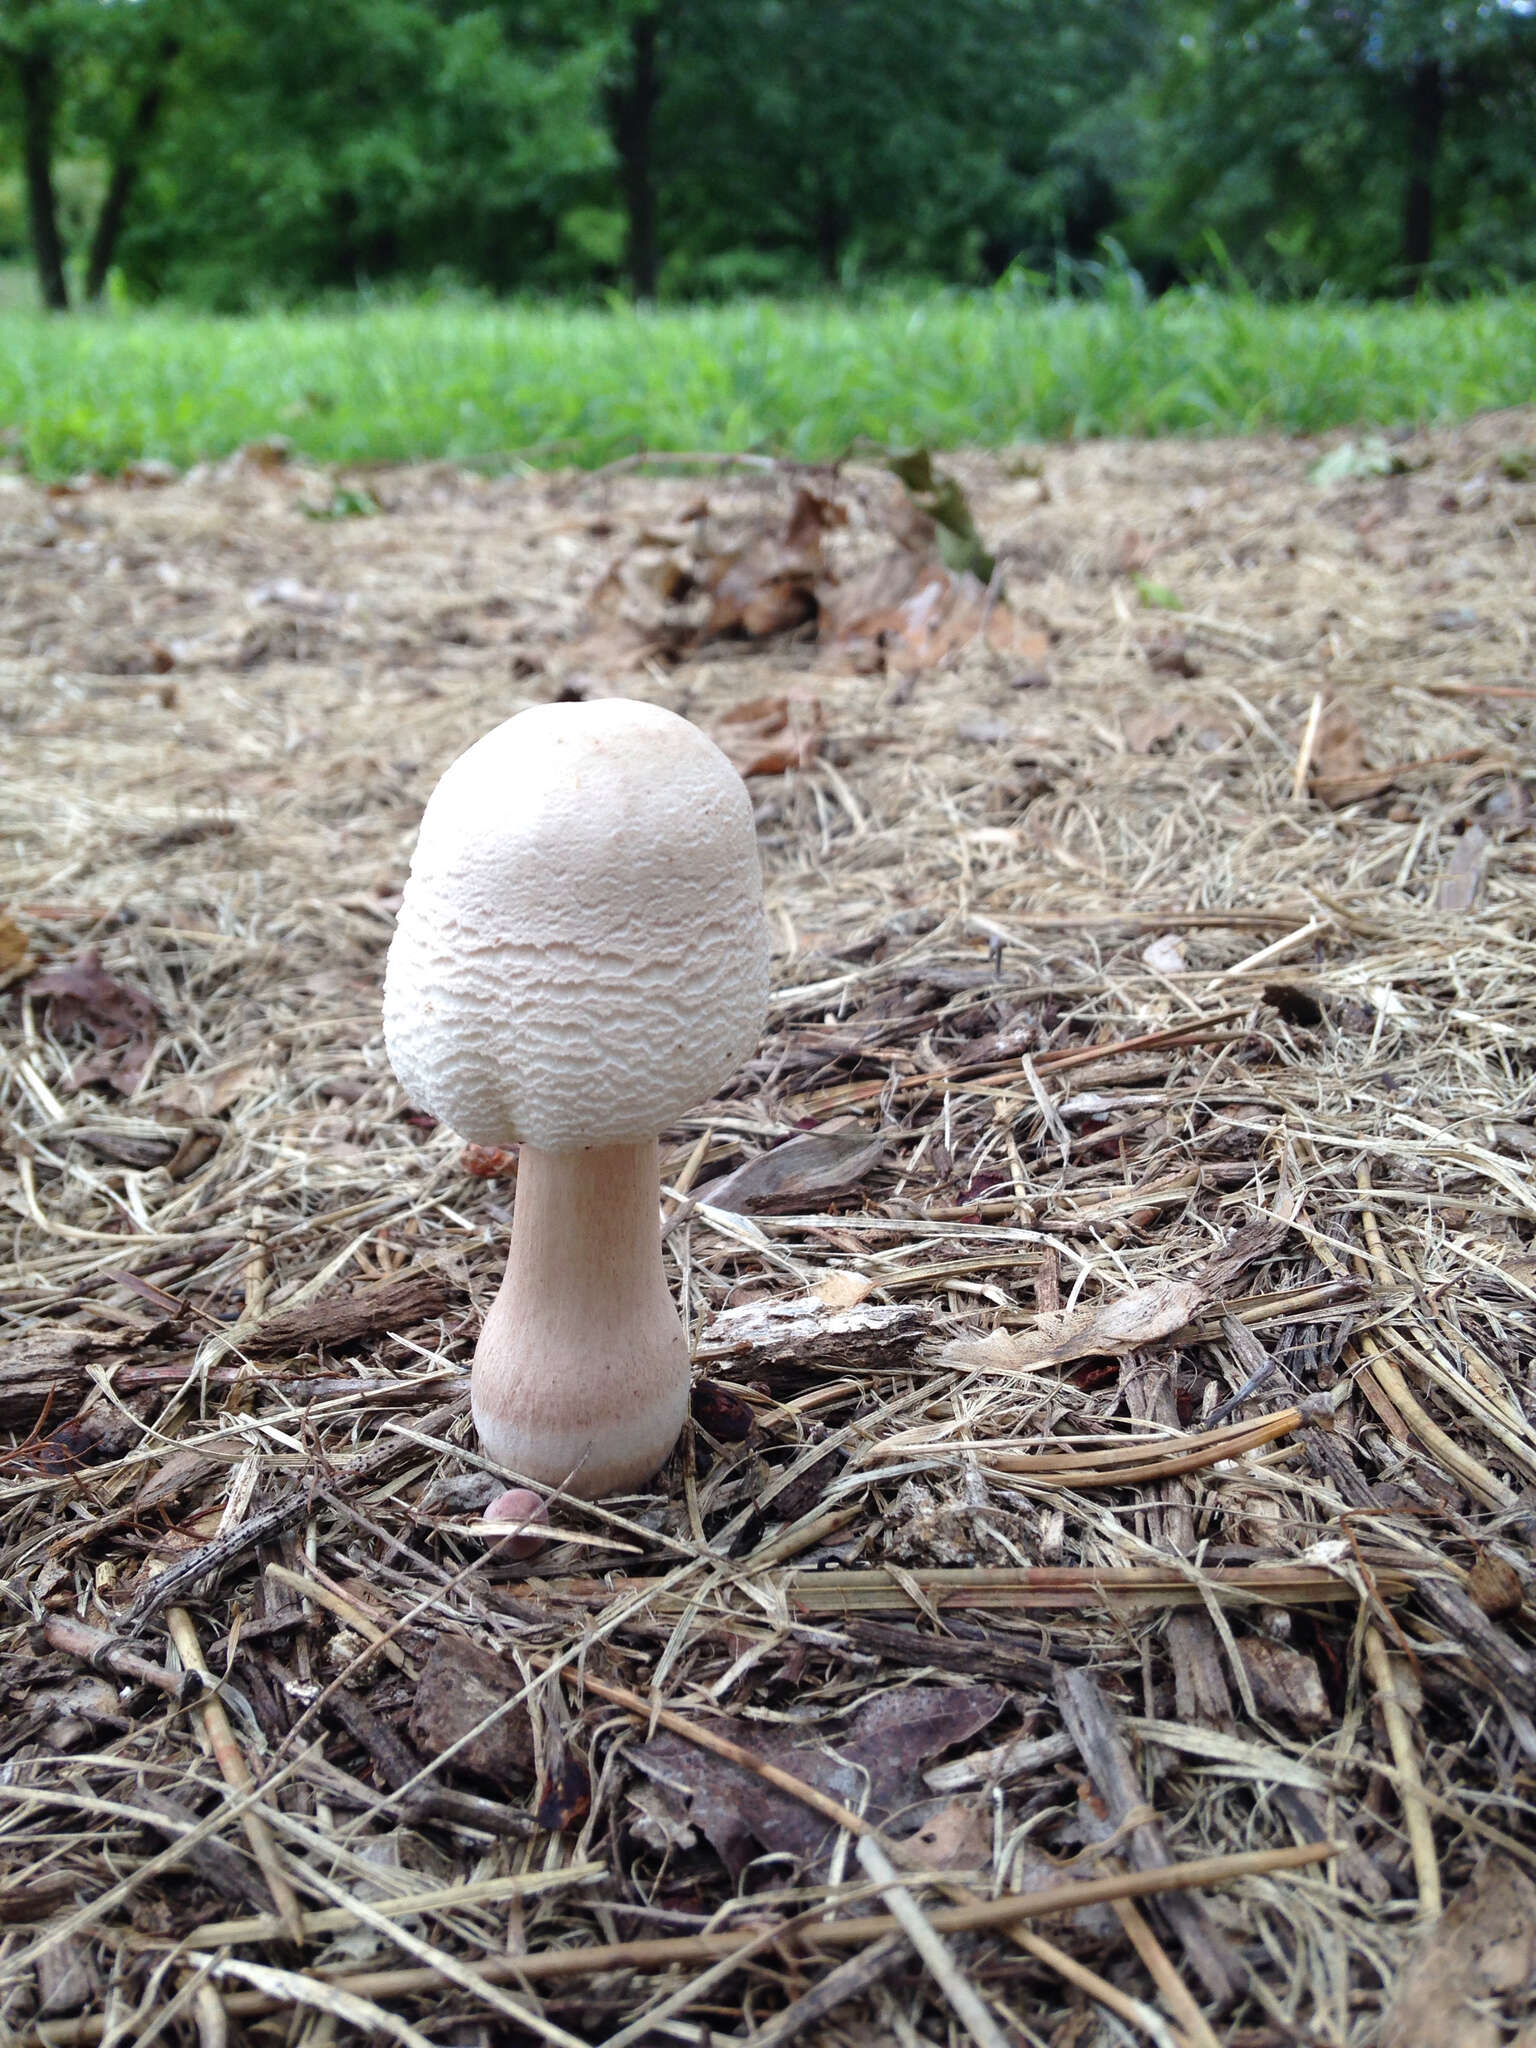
(581, 954)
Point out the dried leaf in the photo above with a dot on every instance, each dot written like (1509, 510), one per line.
(1495, 1587)
(1339, 774)
(768, 585)
(883, 1749)
(957, 1837)
(122, 1020)
(1147, 730)
(820, 1164)
(460, 1687)
(566, 1799)
(15, 951)
(725, 1415)
(1108, 1329)
(1482, 1947)
(1463, 875)
(210, 1093)
(1352, 459)
(908, 612)
(1285, 1682)
(838, 1288)
(489, 1162)
(769, 735)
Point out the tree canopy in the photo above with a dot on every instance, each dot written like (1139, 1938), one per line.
(233, 152)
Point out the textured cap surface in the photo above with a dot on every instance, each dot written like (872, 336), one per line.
(581, 954)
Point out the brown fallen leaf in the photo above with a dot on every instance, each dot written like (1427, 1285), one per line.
(907, 612)
(839, 1288)
(1147, 730)
(460, 1688)
(122, 1020)
(727, 1417)
(15, 951)
(1285, 1681)
(1107, 1329)
(209, 1093)
(957, 1837)
(1463, 876)
(820, 1164)
(769, 735)
(1339, 774)
(1170, 656)
(768, 584)
(1482, 1948)
(566, 1797)
(875, 1763)
(1495, 1587)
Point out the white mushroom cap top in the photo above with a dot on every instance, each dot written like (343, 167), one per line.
(581, 954)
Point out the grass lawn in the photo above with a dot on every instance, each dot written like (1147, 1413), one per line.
(486, 383)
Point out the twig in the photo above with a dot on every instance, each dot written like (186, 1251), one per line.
(1087, 1714)
(443, 1899)
(1421, 1835)
(1132, 2010)
(106, 1654)
(557, 1964)
(1305, 750)
(1176, 1994)
(965, 2001)
(344, 1610)
(848, 1980)
(236, 1773)
(215, 1558)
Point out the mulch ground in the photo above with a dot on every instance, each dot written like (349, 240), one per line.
(1112, 1282)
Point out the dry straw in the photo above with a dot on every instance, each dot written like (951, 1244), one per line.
(1184, 966)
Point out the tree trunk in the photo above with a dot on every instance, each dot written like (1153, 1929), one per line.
(1426, 122)
(631, 110)
(39, 93)
(125, 174)
(831, 233)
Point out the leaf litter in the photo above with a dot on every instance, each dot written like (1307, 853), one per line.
(1195, 1074)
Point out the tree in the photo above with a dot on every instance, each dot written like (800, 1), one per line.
(824, 139)
(31, 37)
(1377, 143)
(312, 148)
(631, 100)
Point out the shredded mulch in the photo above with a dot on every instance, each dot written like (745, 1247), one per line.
(1091, 1601)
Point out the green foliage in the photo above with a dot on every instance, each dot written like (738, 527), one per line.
(1292, 135)
(281, 151)
(562, 385)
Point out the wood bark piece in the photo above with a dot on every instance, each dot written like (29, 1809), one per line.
(400, 1764)
(988, 1657)
(50, 1372)
(1091, 1721)
(761, 1335)
(1508, 1668)
(346, 1319)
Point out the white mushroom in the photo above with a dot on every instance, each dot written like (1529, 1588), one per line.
(581, 957)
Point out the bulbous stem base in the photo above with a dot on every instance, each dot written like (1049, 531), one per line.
(580, 1377)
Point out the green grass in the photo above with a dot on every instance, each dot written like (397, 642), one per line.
(485, 383)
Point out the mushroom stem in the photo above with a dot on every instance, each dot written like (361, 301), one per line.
(581, 1372)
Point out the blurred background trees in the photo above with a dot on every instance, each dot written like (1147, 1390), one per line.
(232, 152)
